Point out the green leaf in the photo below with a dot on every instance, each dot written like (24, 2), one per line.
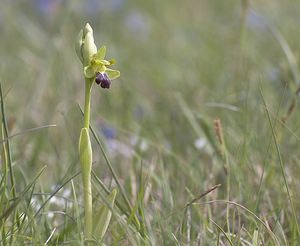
(85, 151)
(112, 74)
(103, 215)
(101, 53)
(78, 45)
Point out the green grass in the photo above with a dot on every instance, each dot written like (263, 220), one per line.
(183, 65)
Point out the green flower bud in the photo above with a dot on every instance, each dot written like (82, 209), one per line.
(87, 29)
(89, 48)
(85, 46)
(85, 151)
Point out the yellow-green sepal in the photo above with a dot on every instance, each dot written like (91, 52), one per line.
(112, 74)
(101, 53)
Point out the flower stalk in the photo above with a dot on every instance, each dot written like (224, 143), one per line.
(87, 103)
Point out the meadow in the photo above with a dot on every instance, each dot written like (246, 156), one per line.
(200, 134)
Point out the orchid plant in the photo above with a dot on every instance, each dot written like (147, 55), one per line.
(95, 70)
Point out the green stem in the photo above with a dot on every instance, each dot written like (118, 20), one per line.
(86, 171)
(88, 212)
(87, 103)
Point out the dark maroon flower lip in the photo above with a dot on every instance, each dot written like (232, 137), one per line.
(103, 80)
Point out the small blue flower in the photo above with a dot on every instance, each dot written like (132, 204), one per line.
(47, 7)
(108, 131)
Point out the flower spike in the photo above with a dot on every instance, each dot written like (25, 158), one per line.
(95, 66)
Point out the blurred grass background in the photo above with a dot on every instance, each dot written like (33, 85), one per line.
(183, 64)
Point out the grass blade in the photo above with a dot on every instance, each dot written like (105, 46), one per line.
(281, 164)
